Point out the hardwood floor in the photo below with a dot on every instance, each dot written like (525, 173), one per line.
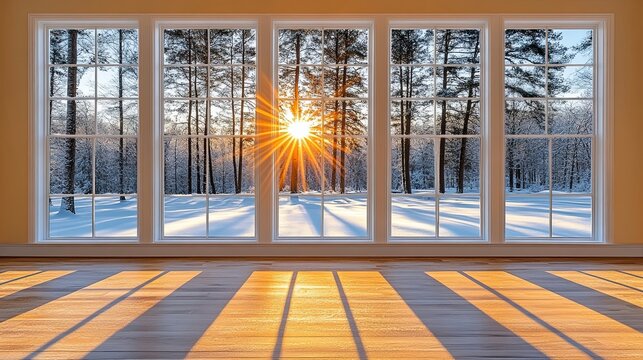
(321, 308)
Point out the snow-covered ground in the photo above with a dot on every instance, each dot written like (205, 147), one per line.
(301, 216)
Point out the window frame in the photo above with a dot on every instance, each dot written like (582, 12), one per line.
(601, 132)
(320, 23)
(454, 22)
(492, 188)
(161, 24)
(40, 126)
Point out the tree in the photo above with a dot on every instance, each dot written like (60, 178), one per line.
(67, 202)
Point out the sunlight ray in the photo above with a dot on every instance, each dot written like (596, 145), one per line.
(25, 333)
(14, 274)
(83, 340)
(619, 277)
(387, 326)
(602, 335)
(538, 336)
(249, 324)
(27, 282)
(606, 287)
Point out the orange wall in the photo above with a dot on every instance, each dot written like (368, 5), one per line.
(628, 75)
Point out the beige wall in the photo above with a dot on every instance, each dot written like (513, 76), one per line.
(628, 75)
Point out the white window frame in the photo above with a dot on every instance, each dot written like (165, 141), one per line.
(456, 23)
(320, 23)
(161, 24)
(602, 124)
(150, 191)
(39, 127)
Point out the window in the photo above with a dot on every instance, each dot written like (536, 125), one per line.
(208, 117)
(273, 129)
(92, 132)
(435, 125)
(549, 132)
(323, 104)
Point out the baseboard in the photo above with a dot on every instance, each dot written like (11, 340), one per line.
(320, 250)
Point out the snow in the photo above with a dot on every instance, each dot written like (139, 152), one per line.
(343, 216)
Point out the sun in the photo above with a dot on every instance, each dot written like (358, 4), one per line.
(299, 130)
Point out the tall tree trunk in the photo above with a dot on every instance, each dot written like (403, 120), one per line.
(510, 164)
(67, 202)
(213, 187)
(294, 168)
(243, 94)
(465, 125)
(333, 176)
(190, 112)
(121, 147)
(407, 131)
(342, 150)
(443, 120)
(234, 121)
(199, 185)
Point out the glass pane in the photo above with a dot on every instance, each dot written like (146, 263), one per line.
(411, 81)
(525, 81)
(299, 216)
(226, 117)
(346, 81)
(232, 216)
(526, 216)
(345, 46)
(460, 217)
(116, 216)
(80, 122)
(572, 165)
(412, 216)
(346, 117)
(418, 117)
(70, 166)
(524, 117)
(309, 81)
(62, 84)
(570, 81)
(307, 41)
(184, 117)
(457, 46)
(117, 81)
(300, 167)
(184, 216)
(527, 165)
(461, 170)
(345, 216)
(231, 167)
(570, 46)
(572, 216)
(234, 81)
(116, 166)
(458, 117)
(412, 165)
(412, 46)
(571, 117)
(184, 166)
(185, 46)
(71, 46)
(185, 82)
(458, 81)
(70, 217)
(525, 46)
(117, 46)
(346, 165)
(233, 46)
(117, 117)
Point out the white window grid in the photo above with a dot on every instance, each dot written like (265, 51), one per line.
(323, 99)
(435, 137)
(550, 137)
(91, 137)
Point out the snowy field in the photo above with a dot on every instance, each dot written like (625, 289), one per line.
(301, 216)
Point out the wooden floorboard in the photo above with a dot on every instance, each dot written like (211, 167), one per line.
(321, 308)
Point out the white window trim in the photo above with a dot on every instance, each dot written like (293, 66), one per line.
(492, 162)
(481, 24)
